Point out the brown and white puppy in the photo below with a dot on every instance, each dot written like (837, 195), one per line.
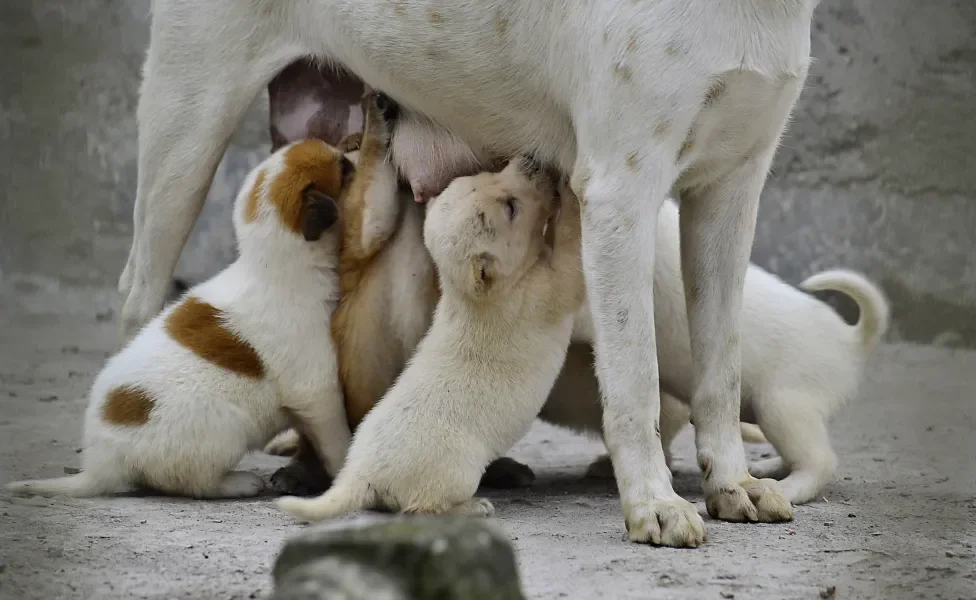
(237, 358)
(508, 254)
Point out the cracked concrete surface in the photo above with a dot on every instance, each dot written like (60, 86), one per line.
(875, 173)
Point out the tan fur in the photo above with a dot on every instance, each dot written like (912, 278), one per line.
(128, 406)
(200, 328)
(368, 347)
(307, 164)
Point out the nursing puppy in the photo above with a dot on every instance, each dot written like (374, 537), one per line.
(800, 363)
(237, 358)
(388, 288)
(506, 247)
(388, 285)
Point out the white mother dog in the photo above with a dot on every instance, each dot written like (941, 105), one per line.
(635, 99)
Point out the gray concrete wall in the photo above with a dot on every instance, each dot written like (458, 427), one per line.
(876, 173)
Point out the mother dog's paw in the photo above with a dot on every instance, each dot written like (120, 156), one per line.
(753, 500)
(673, 522)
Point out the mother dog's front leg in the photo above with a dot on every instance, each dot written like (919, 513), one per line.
(620, 207)
(199, 77)
(717, 223)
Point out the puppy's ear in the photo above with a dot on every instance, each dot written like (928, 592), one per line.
(319, 212)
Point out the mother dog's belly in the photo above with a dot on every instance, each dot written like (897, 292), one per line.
(473, 66)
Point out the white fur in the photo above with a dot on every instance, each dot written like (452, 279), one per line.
(611, 91)
(800, 362)
(424, 447)
(277, 296)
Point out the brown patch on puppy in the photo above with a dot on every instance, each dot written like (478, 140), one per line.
(128, 406)
(435, 18)
(662, 128)
(254, 198)
(199, 327)
(309, 165)
(501, 25)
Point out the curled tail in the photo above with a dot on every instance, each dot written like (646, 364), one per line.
(751, 434)
(82, 485)
(875, 313)
(339, 500)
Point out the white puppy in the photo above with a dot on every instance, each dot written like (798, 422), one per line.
(800, 363)
(634, 99)
(237, 358)
(511, 283)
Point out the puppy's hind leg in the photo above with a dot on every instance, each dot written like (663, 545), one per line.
(800, 436)
(197, 83)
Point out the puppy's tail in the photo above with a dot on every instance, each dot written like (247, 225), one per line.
(339, 500)
(871, 302)
(751, 434)
(82, 485)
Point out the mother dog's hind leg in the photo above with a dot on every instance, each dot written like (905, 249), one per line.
(198, 81)
(621, 194)
(717, 222)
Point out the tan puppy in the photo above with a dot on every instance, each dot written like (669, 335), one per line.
(388, 286)
(237, 358)
(511, 283)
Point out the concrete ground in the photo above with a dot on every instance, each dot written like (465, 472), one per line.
(899, 522)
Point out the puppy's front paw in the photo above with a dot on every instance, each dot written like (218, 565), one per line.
(506, 474)
(381, 113)
(753, 500)
(673, 522)
(350, 143)
(300, 478)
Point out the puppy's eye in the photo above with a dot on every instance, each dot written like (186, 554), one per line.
(511, 208)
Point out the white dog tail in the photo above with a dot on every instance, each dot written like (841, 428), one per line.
(339, 500)
(875, 313)
(751, 434)
(83, 485)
